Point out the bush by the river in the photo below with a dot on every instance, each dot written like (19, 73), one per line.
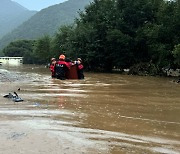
(144, 69)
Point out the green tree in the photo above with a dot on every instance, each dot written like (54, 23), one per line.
(62, 42)
(176, 54)
(109, 31)
(20, 48)
(42, 52)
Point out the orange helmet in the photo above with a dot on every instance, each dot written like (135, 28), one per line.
(62, 57)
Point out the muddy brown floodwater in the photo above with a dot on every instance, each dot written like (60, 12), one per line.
(105, 113)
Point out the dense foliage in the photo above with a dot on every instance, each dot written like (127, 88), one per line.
(120, 34)
(176, 54)
(21, 48)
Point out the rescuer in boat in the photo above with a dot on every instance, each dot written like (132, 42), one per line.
(61, 68)
(52, 67)
(80, 68)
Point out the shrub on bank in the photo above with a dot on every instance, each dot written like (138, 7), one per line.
(144, 69)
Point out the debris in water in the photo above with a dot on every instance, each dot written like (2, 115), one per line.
(15, 98)
(16, 135)
(37, 104)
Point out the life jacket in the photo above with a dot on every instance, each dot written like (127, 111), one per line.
(80, 66)
(80, 71)
(61, 68)
(52, 69)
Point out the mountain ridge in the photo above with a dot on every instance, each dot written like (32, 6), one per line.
(46, 21)
(12, 15)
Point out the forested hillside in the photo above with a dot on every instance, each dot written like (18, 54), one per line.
(12, 15)
(46, 21)
(114, 34)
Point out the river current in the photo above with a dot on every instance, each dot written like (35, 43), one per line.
(104, 113)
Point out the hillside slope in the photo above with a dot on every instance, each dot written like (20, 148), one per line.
(47, 21)
(12, 15)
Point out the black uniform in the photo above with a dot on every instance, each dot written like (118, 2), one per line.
(61, 69)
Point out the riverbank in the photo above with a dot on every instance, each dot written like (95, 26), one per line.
(148, 69)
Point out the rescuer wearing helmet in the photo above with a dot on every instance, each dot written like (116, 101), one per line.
(61, 68)
(80, 68)
(52, 67)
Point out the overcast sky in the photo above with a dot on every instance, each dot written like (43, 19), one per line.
(38, 4)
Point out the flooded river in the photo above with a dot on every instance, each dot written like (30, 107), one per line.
(105, 113)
